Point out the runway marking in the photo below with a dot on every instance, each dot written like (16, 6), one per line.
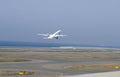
(117, 67)
(15, 72)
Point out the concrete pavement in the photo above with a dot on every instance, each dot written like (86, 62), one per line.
(105, 74)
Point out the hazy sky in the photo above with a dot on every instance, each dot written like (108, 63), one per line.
(84, 21)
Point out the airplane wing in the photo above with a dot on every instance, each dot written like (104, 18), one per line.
(43, 34)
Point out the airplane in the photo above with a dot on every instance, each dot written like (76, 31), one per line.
(55, 35)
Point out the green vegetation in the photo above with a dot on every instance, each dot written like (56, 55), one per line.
(12, 60)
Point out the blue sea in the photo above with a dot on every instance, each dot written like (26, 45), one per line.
(38, 44)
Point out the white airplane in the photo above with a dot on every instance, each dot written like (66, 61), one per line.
(51, 36)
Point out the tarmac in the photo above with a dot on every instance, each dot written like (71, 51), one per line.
(105, 74)
(52, 62)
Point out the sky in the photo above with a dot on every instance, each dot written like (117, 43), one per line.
(93, 22)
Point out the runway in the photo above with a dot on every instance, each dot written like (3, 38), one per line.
(55, 62)
(105, 74)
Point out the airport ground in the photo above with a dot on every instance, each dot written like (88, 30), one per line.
(56, 62)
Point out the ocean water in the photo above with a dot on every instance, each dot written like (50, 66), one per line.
(36, 44)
